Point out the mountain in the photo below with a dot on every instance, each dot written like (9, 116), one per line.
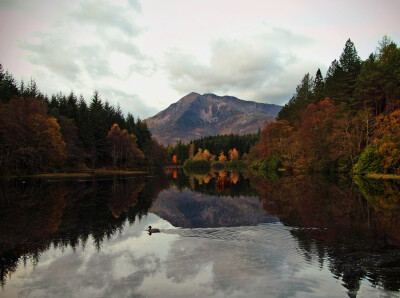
(188, 209)
(195, 116)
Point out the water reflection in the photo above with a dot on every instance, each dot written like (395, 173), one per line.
(37, 214)
(214, 199)
(222, 234)
(356, 238)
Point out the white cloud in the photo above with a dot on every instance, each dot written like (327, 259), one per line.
(104, 15)
(159, 51)
(255, 67)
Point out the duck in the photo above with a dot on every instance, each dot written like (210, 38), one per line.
(151, 230)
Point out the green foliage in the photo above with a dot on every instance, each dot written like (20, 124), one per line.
(368, 162)
(8, 87)
(236, 165)
(369, 187)
(195, 164)
(216, 144)
(270, 175)
(218, 165)
(300, 100)
(270, 163)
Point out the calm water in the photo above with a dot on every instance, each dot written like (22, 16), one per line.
(222, 235)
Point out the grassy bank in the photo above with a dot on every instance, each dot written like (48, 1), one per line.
(383, 176)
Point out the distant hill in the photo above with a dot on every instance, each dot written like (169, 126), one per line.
(196, 115)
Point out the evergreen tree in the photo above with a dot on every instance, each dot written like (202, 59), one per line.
(368, 93)
(318, 92)
(71, 106)
(299, 101)
(350, 64)
(130, 123)
(97, 115)
(333, 80)
(8, 87)
(389, 66)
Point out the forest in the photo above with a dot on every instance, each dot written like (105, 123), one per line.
(61, 133)
(209, 146)
(348, 121)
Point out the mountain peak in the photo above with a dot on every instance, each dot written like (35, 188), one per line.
(196, 115)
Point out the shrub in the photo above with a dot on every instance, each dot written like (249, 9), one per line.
(191, 164)
(218, 165)
(368, 162)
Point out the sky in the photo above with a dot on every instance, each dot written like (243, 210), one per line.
(147, 54)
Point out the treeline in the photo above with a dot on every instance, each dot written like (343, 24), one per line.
(38, 133)
(347, 121)
(214, 145)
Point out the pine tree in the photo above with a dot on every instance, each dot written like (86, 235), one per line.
(8, 87)
(318, 92)
(130, 123)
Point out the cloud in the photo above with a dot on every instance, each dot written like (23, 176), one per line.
(129, 102)
(58, 59)
(258, 67)
(92, 46)
(104, 15)
(135, 4)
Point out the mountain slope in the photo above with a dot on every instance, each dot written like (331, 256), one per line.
(196, 115)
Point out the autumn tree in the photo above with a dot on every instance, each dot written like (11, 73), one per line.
(314, 134)
(30, 139)
(233, 154)
(199, 154)
(124, 149)
(387, 141)
(191, 151)
(222, 157)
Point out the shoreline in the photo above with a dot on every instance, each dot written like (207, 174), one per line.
(83, 174)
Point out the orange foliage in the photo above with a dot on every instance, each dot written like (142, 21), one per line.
(388, 141)
(222, 156)
(233, 154)
(206, 155)
(30, 138)
(123, 147)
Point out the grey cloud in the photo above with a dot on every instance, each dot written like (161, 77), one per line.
(58, 59)
(63, 52)
(23, 5)
(126, 47)
(129, 103)
(94, 60)
(259, 68)
(135, 4)
(104, 15)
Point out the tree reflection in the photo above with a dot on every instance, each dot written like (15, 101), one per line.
(222, 183)
(336, 225)
(36, 215)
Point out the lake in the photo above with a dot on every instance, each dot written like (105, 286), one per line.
(222, 234)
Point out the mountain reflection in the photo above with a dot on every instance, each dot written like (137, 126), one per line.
(350, 228)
